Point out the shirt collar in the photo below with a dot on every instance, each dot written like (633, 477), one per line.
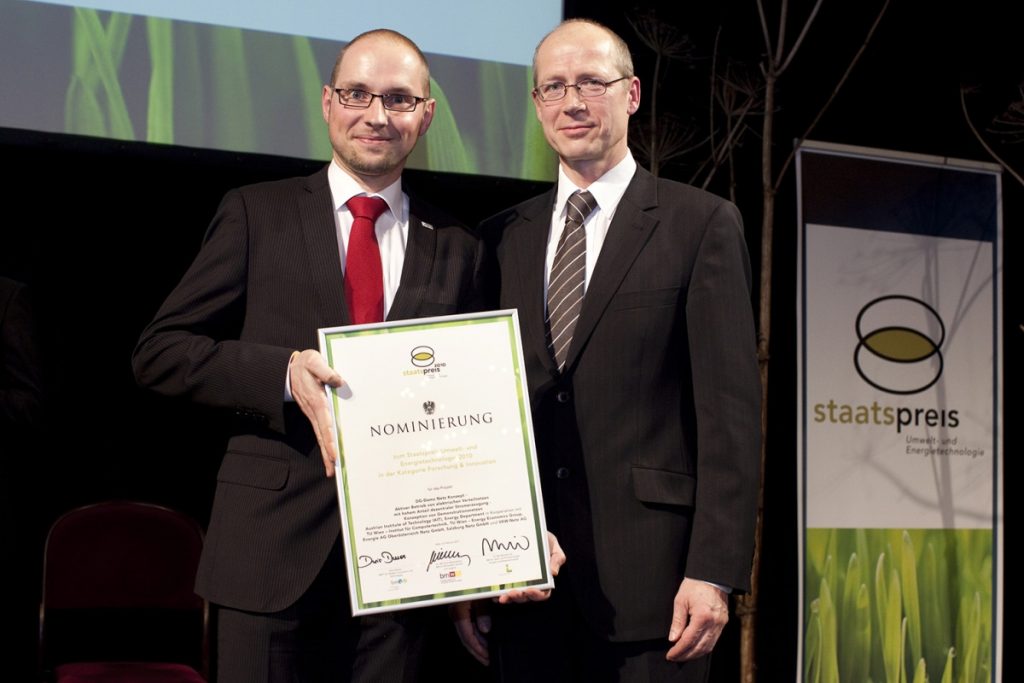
(607, 190)
(344, 187)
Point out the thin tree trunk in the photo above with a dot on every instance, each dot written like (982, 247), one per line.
(776, 63)
(746, 605)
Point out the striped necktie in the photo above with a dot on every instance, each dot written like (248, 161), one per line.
(568, 272)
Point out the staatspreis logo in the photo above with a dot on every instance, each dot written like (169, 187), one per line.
(424, 362)
(422, 356)
(899, 342)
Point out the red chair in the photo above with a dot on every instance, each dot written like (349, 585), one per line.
(118, 603)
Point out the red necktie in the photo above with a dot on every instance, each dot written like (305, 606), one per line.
(364, 278)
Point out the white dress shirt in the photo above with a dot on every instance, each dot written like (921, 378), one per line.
(391, 228)
(607, 191)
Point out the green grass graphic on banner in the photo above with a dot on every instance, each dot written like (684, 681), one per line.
(898, 605)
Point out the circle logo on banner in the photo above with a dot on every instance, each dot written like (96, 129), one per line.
(422, 356)
(899, 340)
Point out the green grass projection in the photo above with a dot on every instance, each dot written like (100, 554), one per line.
(210, 81)
(539, 159)
(160, 112)
(446, 150)
(317, 144)
(898, 606)
(95, 104)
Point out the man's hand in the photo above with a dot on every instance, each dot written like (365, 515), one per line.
(471, 620)
(308, 372)
(699, 613)
(556, 558)
(472, 623)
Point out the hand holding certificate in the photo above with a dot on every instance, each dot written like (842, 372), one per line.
(472, 621)
(437, 475)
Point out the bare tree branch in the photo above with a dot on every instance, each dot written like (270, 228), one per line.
(1009, 125)
(667, 43)
(832, 96)
(711, 87)
(800, 38)
(780, 46)
(764, 27)
(981, 140)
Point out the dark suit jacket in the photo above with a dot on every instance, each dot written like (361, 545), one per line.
(267, 276)
(648, 443)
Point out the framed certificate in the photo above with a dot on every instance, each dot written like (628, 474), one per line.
(437, 482)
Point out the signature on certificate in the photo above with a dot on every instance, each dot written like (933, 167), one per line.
(384, 558)
(438, 555)
(490, 545)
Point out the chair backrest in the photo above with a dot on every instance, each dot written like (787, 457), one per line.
(118, 584)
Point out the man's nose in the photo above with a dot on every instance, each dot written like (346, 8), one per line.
(376, 114)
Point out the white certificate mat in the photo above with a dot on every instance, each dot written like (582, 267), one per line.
(437, 483)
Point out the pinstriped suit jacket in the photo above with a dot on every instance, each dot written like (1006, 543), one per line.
(267, 276)
(648, 443)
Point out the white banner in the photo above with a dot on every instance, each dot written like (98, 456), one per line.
(899, 416)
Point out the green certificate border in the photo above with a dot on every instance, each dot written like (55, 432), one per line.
(510, 318)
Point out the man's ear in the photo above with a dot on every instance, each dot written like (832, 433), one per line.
(325, 102)
(428, 115)
(633, 96)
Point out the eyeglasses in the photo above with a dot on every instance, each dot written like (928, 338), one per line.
(361, 99)
(588, 87)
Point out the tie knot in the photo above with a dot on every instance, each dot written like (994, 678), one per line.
(367, 207)
(581, 203)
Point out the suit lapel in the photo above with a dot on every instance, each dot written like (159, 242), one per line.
(318, 228)
(420, 250)
(530, 253)
(629, 231)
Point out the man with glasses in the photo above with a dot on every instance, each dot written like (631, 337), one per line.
(634, 304)
(280, 260)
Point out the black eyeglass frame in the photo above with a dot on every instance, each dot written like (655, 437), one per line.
(342, 93)
(579, 85)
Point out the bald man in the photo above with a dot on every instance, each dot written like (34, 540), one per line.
(239, 333)
(634, 301)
